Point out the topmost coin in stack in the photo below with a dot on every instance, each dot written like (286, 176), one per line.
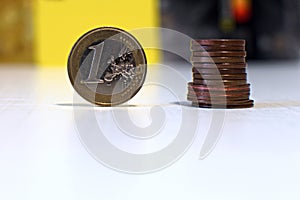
(219, 74)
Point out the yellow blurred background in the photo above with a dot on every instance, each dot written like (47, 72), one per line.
(42, 32)
(16, 31)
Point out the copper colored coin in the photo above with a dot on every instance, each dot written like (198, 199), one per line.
(220, 65)
(234, 42)
(217, 48)
(219, 53)
(220, 90)
(227, 106)
(217, 98)
(214, 91)
(214, 87)
(226, 89)
(218, 59)
(193, 97)
(219, 94)
(220, 76)
(219, 82)
(223, 102)
(218, 71)
(238, 102)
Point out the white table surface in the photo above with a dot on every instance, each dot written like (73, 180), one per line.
(42, 156)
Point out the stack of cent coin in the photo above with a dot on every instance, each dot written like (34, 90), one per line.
(219, 74)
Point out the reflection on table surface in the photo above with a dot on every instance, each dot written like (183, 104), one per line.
(256, 157)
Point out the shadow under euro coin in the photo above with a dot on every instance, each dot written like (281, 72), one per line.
(74, 104)
(92, 105)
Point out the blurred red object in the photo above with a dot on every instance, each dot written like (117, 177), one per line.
(242, 10)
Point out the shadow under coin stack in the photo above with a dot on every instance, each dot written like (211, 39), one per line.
(219, 74)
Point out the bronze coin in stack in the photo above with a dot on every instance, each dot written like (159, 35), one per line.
(220, 82)
(217, 48)
(228, 90)
(203, 92)
(219, 53)
(241, 76)
(211, 42)
(209, 94)
(218, 88)
(218, 45)
(219, 100)
(218, 71)
(228, 59)
(249, 104)
(236, 95)
(220, 65)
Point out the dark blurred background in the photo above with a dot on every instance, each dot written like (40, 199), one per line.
(270, 27)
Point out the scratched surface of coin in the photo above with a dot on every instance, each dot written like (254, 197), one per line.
(107, 66)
